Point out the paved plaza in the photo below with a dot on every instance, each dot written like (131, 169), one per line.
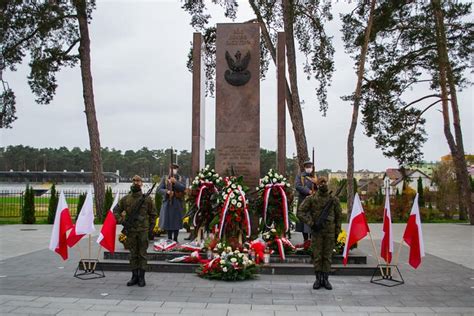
(34, 280)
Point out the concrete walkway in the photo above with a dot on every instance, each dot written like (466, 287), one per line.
(34, 280)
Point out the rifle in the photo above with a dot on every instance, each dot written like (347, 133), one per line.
(135, 211)
(323, 217)
(170, 174)
(314, 168)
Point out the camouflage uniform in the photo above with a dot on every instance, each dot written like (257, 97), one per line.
(323, 241)
(137, 235)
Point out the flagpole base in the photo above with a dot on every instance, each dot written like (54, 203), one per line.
(386, 275)
(88, 269)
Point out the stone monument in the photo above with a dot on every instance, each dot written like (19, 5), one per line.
(238, 101)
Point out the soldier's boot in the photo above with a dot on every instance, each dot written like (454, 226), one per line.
(141, 278)
(134, 279)
(317, 283)
(326, 283)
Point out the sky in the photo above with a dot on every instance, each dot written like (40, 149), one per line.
(143, 93)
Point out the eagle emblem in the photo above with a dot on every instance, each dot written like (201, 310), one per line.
(237, 74)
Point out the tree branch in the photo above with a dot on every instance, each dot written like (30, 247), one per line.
(421, 99)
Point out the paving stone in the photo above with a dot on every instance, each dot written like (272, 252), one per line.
(35, 311)
(410, 309)
(242, 307)
(274, 307)
(204, 312)
(25, 303)
(363, 309)
(73, 312)
(453, 309)
(128, 314)
(319, 308)
(113, 308)
(188, 305)
(299, 313)
(147, 309)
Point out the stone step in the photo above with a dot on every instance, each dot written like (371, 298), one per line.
(273, 268)
(355, 257)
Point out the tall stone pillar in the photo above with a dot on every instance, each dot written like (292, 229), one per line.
(238, 100)
(281, 109)
(198, 112)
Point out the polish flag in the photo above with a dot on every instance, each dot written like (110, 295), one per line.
(357, 229)
(85, 222)
(414, 237)
(107, 234)
(386, 250)
(62, 223)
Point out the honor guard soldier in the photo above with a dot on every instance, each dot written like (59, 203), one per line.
(172, 188)
(322, 212)
(137, 213)
(305, 185)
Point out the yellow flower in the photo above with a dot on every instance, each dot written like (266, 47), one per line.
(342, 237)
(186, 220)
(122, 238)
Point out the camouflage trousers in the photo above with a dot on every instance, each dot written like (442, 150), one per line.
(137, 243)
(322, 245)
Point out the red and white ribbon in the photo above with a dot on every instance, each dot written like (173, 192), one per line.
(281, 248)
(246, 212)
(287, 242)
(266, 195)
(223, 215)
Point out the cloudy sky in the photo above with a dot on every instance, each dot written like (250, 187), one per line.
(143, 91)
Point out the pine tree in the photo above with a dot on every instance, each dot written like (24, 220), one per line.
(28, 211)
(53, 204)
(158, 201)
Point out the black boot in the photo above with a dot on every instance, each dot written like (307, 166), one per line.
(134, 279)
(317, 283)
(141, 278)
(326, 283)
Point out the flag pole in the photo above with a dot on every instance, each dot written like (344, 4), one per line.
(90, 246)
(398, 253)
(375, 253)
(82, 258)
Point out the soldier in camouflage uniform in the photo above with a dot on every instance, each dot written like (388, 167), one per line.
(137, 235)
(323, 240)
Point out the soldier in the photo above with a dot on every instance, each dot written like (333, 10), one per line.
(137, 232)
(323, 238)
(172, 187)
(305, 185)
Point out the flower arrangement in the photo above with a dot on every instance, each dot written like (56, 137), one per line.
(278, 242)
(229, 265)
(341, 242)
(203, 198)
(274, 198)
(233, 218)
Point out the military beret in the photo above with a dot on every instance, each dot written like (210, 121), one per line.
(307, 162)
(322, 180)
(137, 178)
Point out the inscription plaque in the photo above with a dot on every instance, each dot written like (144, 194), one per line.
(238, 106)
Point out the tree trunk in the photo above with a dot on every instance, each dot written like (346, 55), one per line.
(355, 112)
(456, 145)
(88, 94)
(295, 113)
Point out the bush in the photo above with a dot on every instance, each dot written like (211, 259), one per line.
(28, 210)
(158, 201)
(374, 213)
(53, 204)
(80, 203)
(108, 201)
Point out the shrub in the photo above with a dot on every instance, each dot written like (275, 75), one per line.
(53, 204)
(28, 210)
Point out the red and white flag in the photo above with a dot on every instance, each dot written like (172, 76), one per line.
(62, 223)
(357, 229)
(386, 249)
(85, 222)
(107, 234)
(413, 236)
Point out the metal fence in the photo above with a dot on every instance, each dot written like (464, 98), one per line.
(12, 201)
